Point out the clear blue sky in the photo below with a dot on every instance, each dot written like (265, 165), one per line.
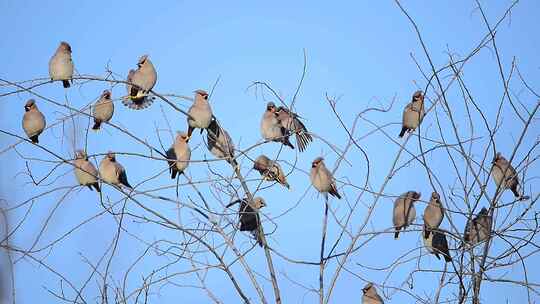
(358, 50)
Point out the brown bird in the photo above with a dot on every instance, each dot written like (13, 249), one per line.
(220, 143)
(270, 170)
(370, 295)
(433, 214)
(503, 173)
(200, 113)
(85, 172)
(413, 113)
(139, 83)
(33, 122)
(291, 122)
(113, 172)
(478, 229)
(322, 179)
(180, 152)
(249, 216)
(271, 127)
(436, 244)
(61, 64)
(103, 109)
(404, 211)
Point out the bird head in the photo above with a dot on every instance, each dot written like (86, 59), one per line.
(142, 60)
(418, 96)
(201, 93)
(111, 156)
(65, 47)
(106, 94)
(258, 202)
(181, 136)
(271, 107)
(317, 162)
(30, 104)
(498, 156)
(416, 195)
(435, 196)
(80, 154)
(367, 287)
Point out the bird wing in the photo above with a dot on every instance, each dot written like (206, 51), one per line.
(171, 155)
(122, 176)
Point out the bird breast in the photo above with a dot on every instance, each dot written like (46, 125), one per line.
(270, 127)
(320, 181)
(33, 123)
(183, 154)
(61, 67)
(107, 171)
(202, 116)
(145, 77)
(85, 172)
(104, 109)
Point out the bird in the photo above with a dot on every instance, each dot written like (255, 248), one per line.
(220, 143)
(322, 179)
(139, 83)
(404, 211)
(433, 214)
(291, 122)
(33, 122)
(413, 113)
(478, 229)
(61, 64)
(178, 155)
(270, 170)
(85, 172)
(503, 173)
(200, 113)
(271, 127)
(103, 109)
(249, 216)
(436, 244)
(112, 172)
(370, 295)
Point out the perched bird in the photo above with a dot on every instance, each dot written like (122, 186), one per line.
(503, 173)
(61, 65)
(33, 121)
(433, 214)
(200, 113)
(413, 113)
(322, 179)
(180, 152)
(220, 143)
(103, 109)
(291, 122)
(478, 229)
(270, 170)
(370, 295)
(271, 127)
(436, 244)
(85, 172)
(404, 211)
(139, 84)
(112, 172)
(249, 216)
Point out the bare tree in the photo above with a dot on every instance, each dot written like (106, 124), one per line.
(183, 233)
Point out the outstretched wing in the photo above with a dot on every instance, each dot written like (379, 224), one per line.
(291, 121)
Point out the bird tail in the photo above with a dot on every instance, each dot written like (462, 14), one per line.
(97, 124)
(288, 143)
(403, 130)
(137, 103)
(447, 258)
(35, 139)
(65, 83)
(333, 191)
(96, 185)
(426, 232)
(396, 234)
